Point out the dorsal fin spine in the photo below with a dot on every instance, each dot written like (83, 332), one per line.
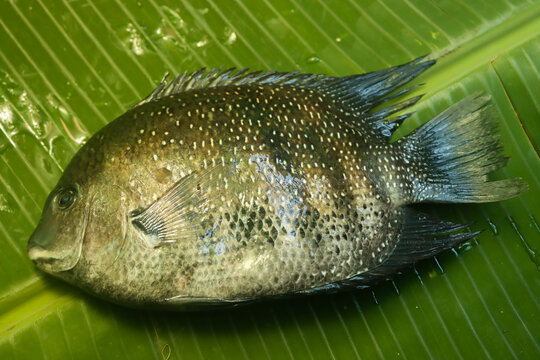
(361, 93)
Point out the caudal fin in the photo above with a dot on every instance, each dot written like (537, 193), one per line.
(450, 156)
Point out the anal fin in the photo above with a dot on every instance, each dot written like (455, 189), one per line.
(421, 237)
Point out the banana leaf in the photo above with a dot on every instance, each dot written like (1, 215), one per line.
(69, 67)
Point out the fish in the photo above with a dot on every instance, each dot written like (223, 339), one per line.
(223, 187)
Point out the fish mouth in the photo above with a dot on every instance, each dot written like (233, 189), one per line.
(40, 239)
(42, 257)
(35, 253)
(46, 256)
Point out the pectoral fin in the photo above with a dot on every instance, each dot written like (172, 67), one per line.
(177, 214)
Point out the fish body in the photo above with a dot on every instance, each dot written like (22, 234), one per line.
(225, 187)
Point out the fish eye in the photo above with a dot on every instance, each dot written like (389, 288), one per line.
(66, 198)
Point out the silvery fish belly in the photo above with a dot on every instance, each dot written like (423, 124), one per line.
(229, 186)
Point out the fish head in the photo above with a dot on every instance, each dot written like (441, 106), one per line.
(56, 244)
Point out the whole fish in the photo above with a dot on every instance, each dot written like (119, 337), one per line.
(228, 186)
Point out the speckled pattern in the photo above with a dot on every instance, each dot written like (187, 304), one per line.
(289, 196)
(244, 189)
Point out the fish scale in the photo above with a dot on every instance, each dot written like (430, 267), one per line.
(223, 187)
(273, 236)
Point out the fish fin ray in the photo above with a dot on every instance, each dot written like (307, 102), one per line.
(176, 215)
(450, 156)
(361, 93)
(386, 125)
(421, 237)
(204, 78)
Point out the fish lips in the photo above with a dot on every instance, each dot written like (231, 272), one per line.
(50, 260)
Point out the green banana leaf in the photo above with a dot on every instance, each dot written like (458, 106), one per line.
(69, 67)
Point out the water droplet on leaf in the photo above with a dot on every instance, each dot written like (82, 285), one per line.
(313, 59)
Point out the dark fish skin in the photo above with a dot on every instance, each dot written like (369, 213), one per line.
(220, 189)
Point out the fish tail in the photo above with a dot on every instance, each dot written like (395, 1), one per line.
(450, 157)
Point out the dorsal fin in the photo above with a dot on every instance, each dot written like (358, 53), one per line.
(204, 78)
(361, 93)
